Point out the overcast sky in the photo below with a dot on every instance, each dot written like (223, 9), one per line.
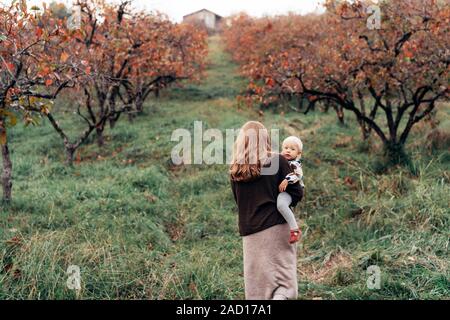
(176, 9)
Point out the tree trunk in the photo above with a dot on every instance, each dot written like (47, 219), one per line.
(395, 153)
(70, 153)
(340, 113)
(133, 111)
(100, 138)
(365, 128)
(7, 172)
(112, 109)
(7, 166)
(139, 105)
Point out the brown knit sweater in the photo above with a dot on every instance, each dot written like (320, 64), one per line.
(257, 199)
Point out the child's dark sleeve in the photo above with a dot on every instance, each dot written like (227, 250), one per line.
(294, 190)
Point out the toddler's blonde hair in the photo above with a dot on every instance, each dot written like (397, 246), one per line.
(294, 140)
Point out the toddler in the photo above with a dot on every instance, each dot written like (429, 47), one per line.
(292, 149)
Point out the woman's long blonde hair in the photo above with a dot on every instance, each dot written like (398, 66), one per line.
(250, 151)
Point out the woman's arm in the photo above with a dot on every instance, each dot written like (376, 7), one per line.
(233, 189)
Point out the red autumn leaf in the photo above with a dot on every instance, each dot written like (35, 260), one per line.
(39, 32)
(64, 57)
(270, 82)
(408, 54)
(48, 82)
(44, 71)
(10, 67)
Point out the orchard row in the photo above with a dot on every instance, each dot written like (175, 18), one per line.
(108, 66)
(390, 77)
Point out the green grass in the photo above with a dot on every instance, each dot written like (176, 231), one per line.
(141, 229)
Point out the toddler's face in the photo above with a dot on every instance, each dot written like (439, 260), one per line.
(290, 151)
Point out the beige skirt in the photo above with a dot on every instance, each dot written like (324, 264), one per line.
(270, 265)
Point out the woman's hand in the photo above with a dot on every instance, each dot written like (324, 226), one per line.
(283, 185)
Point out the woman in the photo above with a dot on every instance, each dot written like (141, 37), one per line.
(270, 262)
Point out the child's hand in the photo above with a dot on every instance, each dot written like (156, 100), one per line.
(283, 185)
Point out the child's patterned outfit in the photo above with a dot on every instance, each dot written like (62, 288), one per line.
(297, 174)
(284, 199)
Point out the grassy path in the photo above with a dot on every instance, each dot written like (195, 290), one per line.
(140, 228)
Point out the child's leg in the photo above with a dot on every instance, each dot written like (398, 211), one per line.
(283, 202)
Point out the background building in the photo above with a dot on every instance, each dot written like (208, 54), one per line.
(210, 20)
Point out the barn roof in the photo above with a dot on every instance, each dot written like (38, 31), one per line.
(190, 14)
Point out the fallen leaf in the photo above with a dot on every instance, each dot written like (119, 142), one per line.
(64, 57)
